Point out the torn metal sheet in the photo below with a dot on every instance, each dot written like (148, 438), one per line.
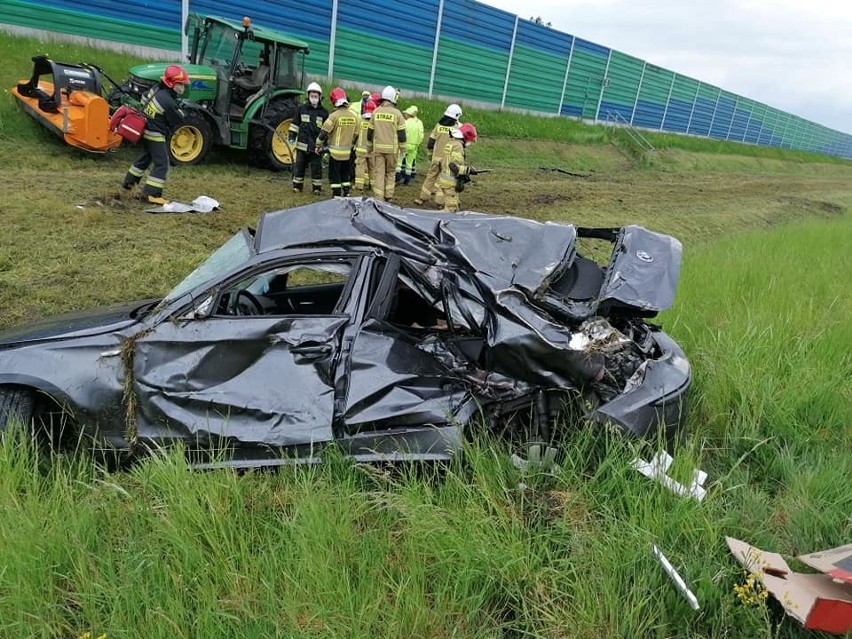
(357, 322)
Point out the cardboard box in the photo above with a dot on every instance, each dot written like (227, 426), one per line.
(819, 602)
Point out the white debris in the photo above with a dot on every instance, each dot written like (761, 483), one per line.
(201, 204)
(679, 583)
(657, 468)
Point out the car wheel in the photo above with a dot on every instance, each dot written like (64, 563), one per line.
(268, 143)
(15, 404)
(190, 142)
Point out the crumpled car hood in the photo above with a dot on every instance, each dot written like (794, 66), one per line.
(78, 324)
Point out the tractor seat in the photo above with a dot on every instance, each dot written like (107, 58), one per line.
(253, 81)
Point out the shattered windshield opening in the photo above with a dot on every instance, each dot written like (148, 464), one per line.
(226, 258)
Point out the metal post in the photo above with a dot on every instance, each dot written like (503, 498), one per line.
(332, 38)
(604, 83)
(733, 117)
(715, 109)
(692, 110)
(748, 121)
(509, 64)
(668, 99)
(435, 47)
(766, 116)
(638, 91)
(784, 132)
(565, 79)
(184, 38)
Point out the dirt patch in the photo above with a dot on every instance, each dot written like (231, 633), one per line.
(553, 199)
(113, 201)
(830, 209)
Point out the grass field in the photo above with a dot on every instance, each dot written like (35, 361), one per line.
(763, 311)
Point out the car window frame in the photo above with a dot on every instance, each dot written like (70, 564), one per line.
(213, 300)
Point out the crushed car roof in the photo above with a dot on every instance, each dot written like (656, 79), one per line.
(502, 250)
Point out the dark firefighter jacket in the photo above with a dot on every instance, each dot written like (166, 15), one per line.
(307, 124)
(161, 109)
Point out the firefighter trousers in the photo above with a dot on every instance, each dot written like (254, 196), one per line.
(363, 168)
(430, 184)
(450, 199)
(156, 153)
(384, 174)
(338, 176)
(303, 159)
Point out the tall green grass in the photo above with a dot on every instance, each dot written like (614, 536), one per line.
(478, 548)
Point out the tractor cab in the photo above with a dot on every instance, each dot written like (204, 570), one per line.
(245, 84)
(249, 62)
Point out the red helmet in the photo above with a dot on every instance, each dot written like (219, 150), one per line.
(175, 74)
(338, 97)
(369, 106)
(468, 132)
(376, 97)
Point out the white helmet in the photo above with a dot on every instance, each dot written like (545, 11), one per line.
(389, 94)
(453, 111)
(313, 86)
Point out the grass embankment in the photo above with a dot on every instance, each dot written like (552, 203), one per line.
(762, 312)
(340, 551)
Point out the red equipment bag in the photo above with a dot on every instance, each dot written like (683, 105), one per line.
(128, 123)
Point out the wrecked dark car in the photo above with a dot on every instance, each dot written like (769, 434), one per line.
(393, 333)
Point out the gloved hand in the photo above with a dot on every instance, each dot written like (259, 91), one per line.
(318, 149)
(471, 170)
(454, 168)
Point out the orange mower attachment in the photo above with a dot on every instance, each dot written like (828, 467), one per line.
(71, 106)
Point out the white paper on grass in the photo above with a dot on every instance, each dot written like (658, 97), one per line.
(201, 204)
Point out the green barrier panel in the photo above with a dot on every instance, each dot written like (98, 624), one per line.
(359, 57)
(468, 71)
(535, 80)
(585, 80)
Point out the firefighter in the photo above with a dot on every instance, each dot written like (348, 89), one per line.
(162, 112)
(454, 166)
(304, 131)
(386, 132)
(339, 130)
(363, 150)
(438, 139)
(406, 168)
(357, 109)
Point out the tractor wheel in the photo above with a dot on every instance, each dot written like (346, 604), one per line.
(191, 140)
(268, 146)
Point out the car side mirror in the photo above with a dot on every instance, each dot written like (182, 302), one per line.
(201, 310)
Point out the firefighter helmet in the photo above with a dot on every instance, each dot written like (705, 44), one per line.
(376, 97)
(453, 111)
(175, 74)
(314, 87)
(369, 107)
(390, 94)
(338, 97)
(466, 132)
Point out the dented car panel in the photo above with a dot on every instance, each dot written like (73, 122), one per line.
(394, 333)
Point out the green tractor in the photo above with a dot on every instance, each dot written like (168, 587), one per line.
(245, 85)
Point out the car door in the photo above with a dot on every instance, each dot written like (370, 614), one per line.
(257, 369)
(402, 373)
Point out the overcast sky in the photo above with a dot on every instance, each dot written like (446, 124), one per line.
(794, 55)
